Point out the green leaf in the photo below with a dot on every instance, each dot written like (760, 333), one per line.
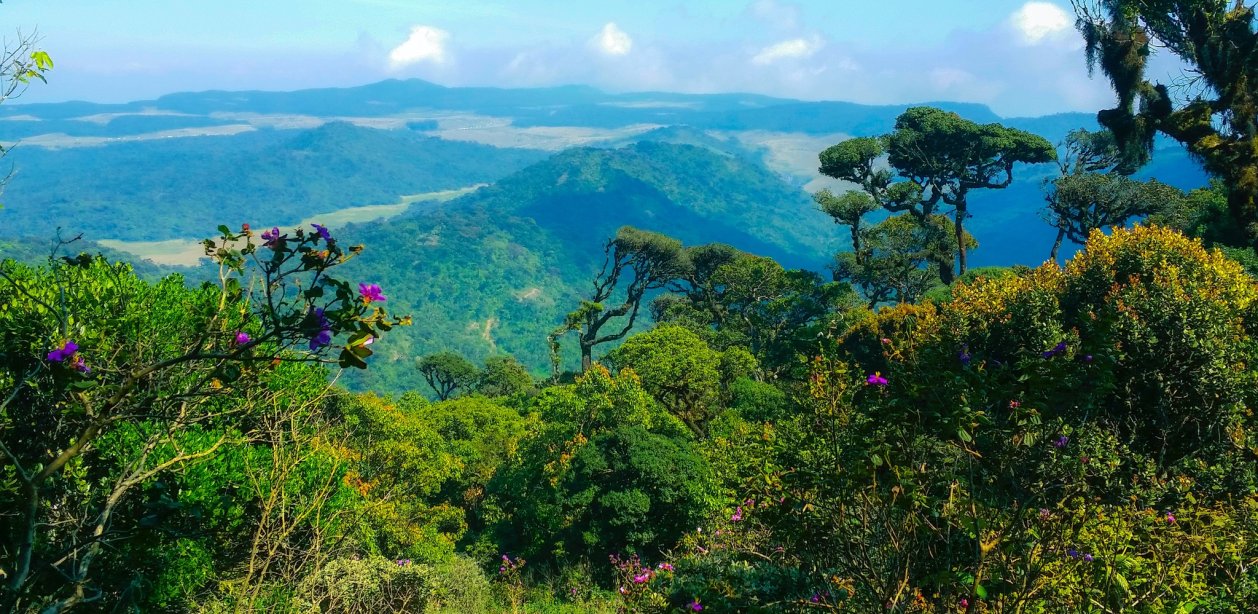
(964, 435)
(980, 591)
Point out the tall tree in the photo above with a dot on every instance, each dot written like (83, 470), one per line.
(1083, 202)
(447, 373)
(1214, 114)
(939, 157)
(646, 261)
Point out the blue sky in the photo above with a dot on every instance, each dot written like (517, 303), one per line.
(1021, 58)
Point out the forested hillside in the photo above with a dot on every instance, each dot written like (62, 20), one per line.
(642, 353)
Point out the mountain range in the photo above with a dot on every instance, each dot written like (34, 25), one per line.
(502, 198)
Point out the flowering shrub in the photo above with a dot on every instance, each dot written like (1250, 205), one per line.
(1022, 445)
(93, 355)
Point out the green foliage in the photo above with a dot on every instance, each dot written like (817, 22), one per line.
(939, 157)
(1217, 122)
(1023, 444)
(678, 369)
(111, 386)
(504, 376)
(290, 175)
(447, 373)
(608, 473)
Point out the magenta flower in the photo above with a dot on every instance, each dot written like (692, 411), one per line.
(371, 293)
(695, 606)
(816, 598)
(964, 603)
(876, 379)
(242, 338)
(323, 232)
(642, 578)
(738, 515)
(64, 352)
(666, 566)
(1170, 518)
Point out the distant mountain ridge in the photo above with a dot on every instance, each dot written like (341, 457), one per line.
(574, 105)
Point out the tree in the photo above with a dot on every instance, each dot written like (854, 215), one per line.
(1214, 113)
(848, 209)
(899, 258)
(93, 354)
(503, 376)
(648, 261)
(1083, 202)
(678, 369)
(939, 157)
(447, 373)
(730, 298)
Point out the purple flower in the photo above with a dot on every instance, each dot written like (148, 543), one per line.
(964, 355)
(1072, 553)
(1044, 513)
(323, 232)
(272, 236)
(876, 379)
(1057, 350)
(1170, 518)
(1087, 358)
(371, 293)
(738, 515)
(403, 562)
(695, 606)
(816, 598)
(242, 338)
(64, 352)
(80, 366)
(1087, 558)
(324, 336)
(1061, 441)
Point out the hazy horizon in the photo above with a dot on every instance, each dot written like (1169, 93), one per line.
(1019, 58)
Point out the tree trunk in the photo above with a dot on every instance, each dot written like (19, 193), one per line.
(1061, 233)
(856, 244)
(587, 356)
(959, 226)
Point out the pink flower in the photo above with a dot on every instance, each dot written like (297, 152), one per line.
(642, 578)
(695, 606)
(876, 379)
(964, 603)
(738, 515)
(242, 338)
(371, 293)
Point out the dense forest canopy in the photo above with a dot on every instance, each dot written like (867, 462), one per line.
(646, 373)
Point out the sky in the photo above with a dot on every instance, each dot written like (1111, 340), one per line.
(1019, 57)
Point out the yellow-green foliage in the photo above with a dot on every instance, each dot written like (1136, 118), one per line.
(1071, 438)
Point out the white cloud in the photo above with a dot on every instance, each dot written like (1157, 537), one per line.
(611, 40)
(794, 48)
(1038, 21)
(425, 44)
